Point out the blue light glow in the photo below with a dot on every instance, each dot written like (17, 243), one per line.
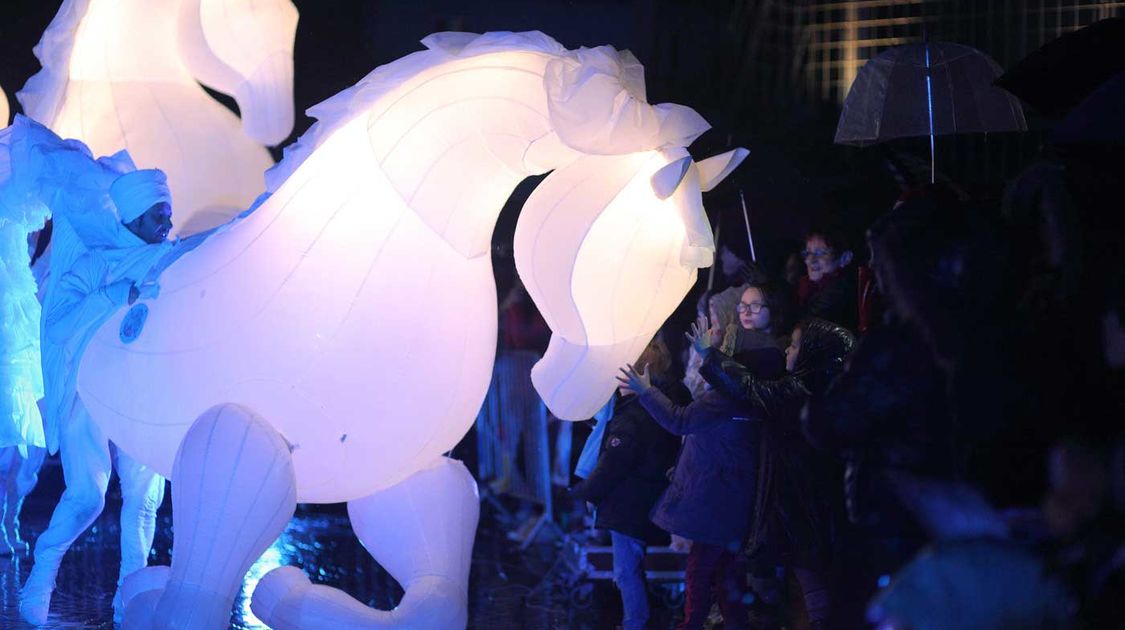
(930, 110)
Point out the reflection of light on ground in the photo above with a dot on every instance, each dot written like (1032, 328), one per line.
(281, 553)
(321, 543)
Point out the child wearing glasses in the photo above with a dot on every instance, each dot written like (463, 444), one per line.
(762, 311)
(711, 497)
(796, 504)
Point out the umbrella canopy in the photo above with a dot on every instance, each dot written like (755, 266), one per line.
(1097, 120)
(891, 97)
(1065, 71)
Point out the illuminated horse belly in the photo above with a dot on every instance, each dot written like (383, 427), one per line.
(349, 324)
(334, 343)
(336, 310)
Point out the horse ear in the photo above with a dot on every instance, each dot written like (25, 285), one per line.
(668, 178)
(715, 168)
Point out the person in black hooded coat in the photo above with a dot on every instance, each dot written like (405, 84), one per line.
(631, 474)
(632, 468)
(795, 513)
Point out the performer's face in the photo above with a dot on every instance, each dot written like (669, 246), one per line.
(153, 226)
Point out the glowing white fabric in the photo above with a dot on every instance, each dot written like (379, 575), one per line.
(598, 105)
(355, 309)
(21, 379)
(234, 523)
(421, 531)
(608, 267)
(121, 74)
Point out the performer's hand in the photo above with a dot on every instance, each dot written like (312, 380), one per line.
(147, 291)
(632, 381)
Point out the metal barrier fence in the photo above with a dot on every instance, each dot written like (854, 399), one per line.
(514, 455)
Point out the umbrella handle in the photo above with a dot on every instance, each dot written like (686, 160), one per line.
(714, 263)
(746, 218)
(929, 100)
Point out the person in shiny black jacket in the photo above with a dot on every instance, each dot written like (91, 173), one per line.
(629, 477)
(795, 511)
(886, 412)
(711, 496)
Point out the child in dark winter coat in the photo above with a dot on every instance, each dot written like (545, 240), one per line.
(711, 495)
(630, 476)
(795, 510)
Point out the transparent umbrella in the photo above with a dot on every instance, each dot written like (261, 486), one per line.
(928, 89)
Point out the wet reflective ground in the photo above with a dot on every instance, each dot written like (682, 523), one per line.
(509, 588)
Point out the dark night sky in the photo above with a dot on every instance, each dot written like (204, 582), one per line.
(340, 41)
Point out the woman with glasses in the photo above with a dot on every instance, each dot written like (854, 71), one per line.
(829, 288)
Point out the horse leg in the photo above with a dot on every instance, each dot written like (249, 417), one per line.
(233, 491)
(421, 530)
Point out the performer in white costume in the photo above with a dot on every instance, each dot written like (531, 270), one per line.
(22, 444)
(83, 295)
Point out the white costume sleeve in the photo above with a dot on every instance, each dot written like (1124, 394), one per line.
(83, 300)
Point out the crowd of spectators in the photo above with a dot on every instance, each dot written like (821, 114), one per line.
(923, 431)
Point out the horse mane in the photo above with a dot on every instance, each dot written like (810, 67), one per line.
(339, 109)
(43, 94)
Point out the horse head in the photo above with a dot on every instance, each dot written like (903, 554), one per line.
(245, 48)
(608, 244)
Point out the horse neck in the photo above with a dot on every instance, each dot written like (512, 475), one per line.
(128, 40)
(448, 145)
(197, 54)
(455, 161)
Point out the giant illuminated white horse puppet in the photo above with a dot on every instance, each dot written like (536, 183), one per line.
(333, 344)
(122, 74)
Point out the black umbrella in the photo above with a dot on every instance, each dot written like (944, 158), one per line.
(1099, 120)
(1065, 71)
(927, 89)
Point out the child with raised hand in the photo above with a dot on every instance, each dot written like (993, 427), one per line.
(630, 476)
(710, 500)
(799, 491)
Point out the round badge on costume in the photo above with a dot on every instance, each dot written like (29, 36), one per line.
(133, 323)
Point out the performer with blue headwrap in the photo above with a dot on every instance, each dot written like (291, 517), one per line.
(106, 250)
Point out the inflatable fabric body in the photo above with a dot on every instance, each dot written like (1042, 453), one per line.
(355, 309)
(121, 74)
